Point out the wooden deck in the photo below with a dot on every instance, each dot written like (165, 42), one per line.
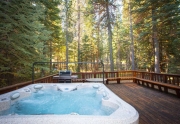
(154, 107)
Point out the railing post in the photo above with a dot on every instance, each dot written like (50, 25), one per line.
(95, 75)
(142, 74)
(117, 74)
(83, 76)
(173, 80)
(134, 73)
(103, 71)
(151, 76)
(106, 74)
(165, 78)
(134, 76)
(178, 81)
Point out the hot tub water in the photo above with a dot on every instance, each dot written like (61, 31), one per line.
(84, 101)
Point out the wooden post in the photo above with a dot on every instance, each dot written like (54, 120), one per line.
(118, 80)
(117, 74)
(106, 75)
(165, 78)
(151, 76)
(134, 76)
(95, 75)
(142, 74)
(83, 76)
(107, 81)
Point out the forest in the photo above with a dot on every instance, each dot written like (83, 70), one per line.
(125, 34)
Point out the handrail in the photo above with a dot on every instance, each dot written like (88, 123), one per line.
(164, 78)
(37, 63)
(19, 85)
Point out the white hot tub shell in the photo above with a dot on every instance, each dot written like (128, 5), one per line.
(124, 113)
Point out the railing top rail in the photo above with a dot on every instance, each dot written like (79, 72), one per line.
(39, 79)
(35, 63)
(24, 83)
(158, 73)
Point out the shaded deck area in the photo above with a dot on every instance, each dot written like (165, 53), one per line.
(154, 107)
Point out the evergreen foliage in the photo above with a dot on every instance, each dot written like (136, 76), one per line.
(22, 36)
(87, 30)
(167, 24)
(52, 22)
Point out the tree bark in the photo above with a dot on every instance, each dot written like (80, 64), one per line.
(78, 5)
(156, 43)
(50, 54)
(132, 40)
(66, 23)
(110, 39)
(118, 56)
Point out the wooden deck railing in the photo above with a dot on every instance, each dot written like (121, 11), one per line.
(86, 75)
(46, 79)
(164, 78)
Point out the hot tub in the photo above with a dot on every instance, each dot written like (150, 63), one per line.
(107, 108)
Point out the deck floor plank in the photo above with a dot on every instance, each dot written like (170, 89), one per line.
(154, 107)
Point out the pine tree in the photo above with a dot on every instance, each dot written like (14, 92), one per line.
(52, 22)
(22, 36)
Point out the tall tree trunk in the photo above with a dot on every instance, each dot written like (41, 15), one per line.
(50, 52)
(118, 55)
(98, 49)
(110, 38)
(79, 19)
(98, 46)
(156, 43)
(66, 23)
(131, 37)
